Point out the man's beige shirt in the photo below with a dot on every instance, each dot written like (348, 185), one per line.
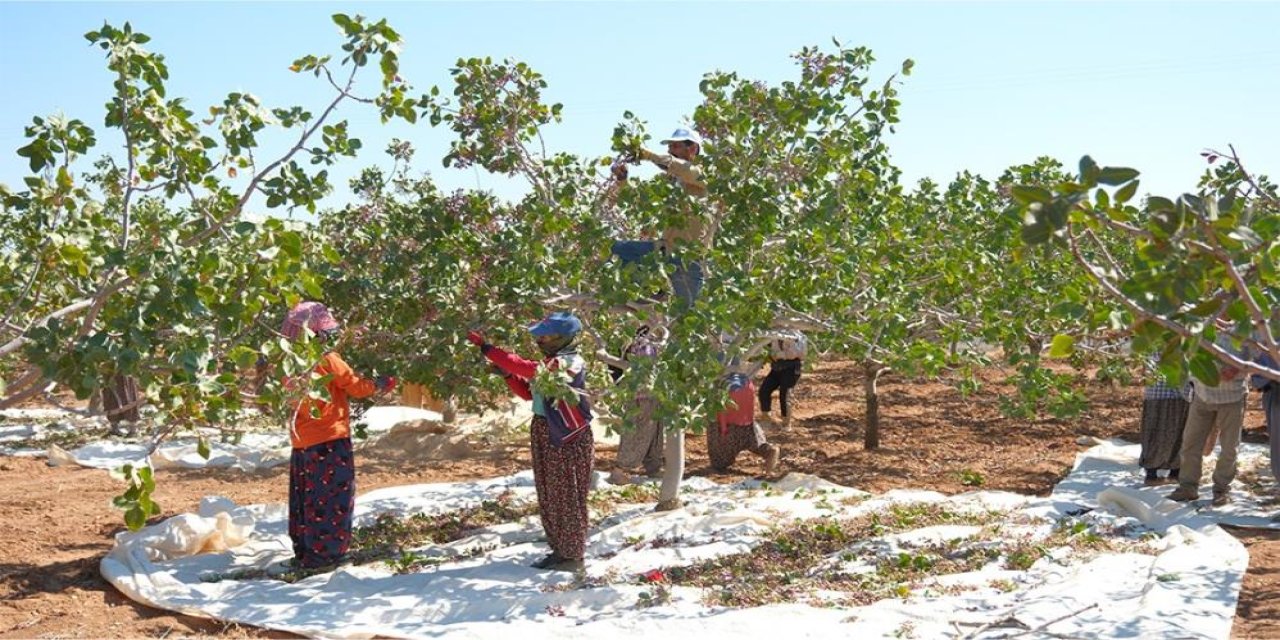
(695, 228)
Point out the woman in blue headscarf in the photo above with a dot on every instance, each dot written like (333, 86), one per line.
(560, 435)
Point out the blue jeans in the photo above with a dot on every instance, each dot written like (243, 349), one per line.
(686, 276)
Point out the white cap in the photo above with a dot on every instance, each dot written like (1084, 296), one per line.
(683, 134)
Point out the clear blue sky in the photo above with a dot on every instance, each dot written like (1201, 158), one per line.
(1147, 85)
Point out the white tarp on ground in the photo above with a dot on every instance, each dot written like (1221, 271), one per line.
(1178, 576)
(418, 429)
(18, 427)
(254, 451)
(1114, 463)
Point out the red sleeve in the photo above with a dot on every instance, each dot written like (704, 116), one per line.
(512, 363)
(520, 387)
(346, 379)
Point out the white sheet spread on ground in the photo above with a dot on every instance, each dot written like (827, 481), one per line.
(1114, 463)
(19, 427)
(1171, 572)
(418, 429)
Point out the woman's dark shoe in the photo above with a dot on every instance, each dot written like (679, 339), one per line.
(556, 562)
(548, 561)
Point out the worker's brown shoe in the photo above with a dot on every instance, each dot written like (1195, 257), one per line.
(669, 505)
(771, 459)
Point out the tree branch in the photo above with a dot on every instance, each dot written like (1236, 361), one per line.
(131, 156)
(1221, 354)
(257, 178)
(21, 341)
(1261, 323)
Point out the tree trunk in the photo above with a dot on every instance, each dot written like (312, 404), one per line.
(123, 392)
(673, 466)
(260, 372)
(95, 401)
(450, 411)
(871, 376)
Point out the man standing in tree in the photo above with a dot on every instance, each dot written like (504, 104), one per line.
(689, 229)
(1221, 405)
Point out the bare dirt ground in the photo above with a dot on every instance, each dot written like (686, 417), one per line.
(58, 522)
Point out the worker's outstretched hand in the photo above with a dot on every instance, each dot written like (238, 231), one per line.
(619, 170)
(384, 383)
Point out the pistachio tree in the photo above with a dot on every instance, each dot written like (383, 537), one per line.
(1200, 287)
(145, 263)
(790, 169)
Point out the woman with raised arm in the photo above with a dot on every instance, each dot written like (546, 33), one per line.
(560, 434)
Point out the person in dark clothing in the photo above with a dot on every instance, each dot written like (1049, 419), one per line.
(1270, 410)
(786, 359)
(1164, 413)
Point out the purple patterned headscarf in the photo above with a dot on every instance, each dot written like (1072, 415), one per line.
(313, 315)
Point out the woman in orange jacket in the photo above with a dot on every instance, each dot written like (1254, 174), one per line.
(322, 473)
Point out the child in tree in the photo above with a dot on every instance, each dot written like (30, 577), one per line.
(322, 473)
(560, 435)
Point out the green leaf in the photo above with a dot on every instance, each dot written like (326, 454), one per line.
(63, 179)
(1125, 193)
(1205, 367)
(390, 64)
(1206, 307)
(135, 518)
(71, 253)
(1238, 311)
(202, 447)
(348, 25)
(291, 243)
(1088, 170)
(147, 479)
(1027, 194)
(1062, 346)
(243, 356)
(1114, 176)
(1157, 203)
(312, 287)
